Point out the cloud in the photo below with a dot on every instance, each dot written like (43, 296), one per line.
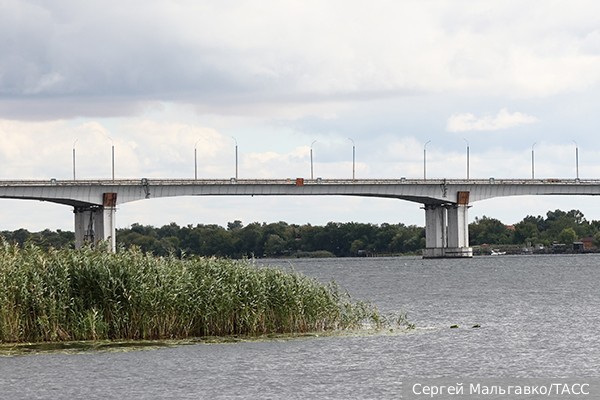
(83, 58)
(503, 120)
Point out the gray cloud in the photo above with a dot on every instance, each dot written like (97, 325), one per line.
(89, 51)
(70, 58)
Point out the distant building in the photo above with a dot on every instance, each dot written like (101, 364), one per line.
(588, 243)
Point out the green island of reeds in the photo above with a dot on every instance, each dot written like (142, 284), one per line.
(87, 294)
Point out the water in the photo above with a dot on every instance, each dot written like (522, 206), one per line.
(539, 318)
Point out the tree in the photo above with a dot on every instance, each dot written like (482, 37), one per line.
(237, 224)
(249, 240)
(596, 241)
(489, 230)
(567, 236)
(526, 232)
(384, 237)
(356, 246)
(274, 245)
(557, 221)
(214, 240)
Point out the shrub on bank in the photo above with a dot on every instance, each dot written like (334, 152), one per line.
(87, 294)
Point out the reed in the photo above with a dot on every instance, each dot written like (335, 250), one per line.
(61, 295)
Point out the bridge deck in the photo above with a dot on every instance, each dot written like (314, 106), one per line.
(429, 191)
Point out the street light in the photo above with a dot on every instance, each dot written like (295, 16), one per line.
(425, 160)
(311, 159)
(466, 141)
(112, 153)
(112, 150)
(75, 142)
(353, 158)
(533, 161)
(236, 158)
(196, 160)
(113, 160)
(577, 160)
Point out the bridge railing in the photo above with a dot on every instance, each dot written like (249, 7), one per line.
(295, 181)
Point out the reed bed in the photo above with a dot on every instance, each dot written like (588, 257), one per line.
(65, 295)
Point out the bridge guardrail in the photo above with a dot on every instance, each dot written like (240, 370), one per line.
(293, 181)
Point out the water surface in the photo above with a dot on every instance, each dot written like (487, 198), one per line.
(539, 318)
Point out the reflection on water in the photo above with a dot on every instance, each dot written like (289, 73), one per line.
(539, 317)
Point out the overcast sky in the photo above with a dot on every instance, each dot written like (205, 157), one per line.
(157, 79)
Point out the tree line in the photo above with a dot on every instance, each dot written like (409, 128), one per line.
(279, 239)
(557, 227)
(275, 239)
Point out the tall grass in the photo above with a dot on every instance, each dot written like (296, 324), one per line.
(60, 295)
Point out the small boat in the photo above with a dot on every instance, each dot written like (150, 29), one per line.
(496, 252)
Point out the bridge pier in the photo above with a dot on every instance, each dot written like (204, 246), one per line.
(447, 231)
(435, 231)
(95, 224)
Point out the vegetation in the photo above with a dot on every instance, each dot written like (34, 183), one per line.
(45, 239)
(349, 239)
(65, 295)
(281, 239)
(558, 227)
(275, 239)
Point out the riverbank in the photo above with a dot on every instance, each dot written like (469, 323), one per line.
(68, 295)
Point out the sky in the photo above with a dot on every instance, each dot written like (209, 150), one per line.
(160, 80)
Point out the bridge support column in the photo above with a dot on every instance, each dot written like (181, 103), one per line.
(458, 232)
(435, 231)
(95, 224)
(447, 229)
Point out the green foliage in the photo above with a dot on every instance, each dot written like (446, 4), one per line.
(557, 226)
(44, 239)
(280, 239)
(275, 239)
(253, 240)
(526, 232)
(489, 230)
(567, 235)
(88, 294)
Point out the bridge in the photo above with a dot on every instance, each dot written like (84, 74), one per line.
(445, 201)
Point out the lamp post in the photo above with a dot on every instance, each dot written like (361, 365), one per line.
(533, 161)
(353, 159)
(311, 159)
(112, 152)
(236, 157)
(576, 160)
(196, 160)
(75, 142)
(112, 155)
(425, 160)
(113, 160)
(466, 141)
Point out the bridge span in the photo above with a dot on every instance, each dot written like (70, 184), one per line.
(445, 201)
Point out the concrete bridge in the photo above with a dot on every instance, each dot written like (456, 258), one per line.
(445, 201)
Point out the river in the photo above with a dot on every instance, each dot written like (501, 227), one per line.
(538, 318)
